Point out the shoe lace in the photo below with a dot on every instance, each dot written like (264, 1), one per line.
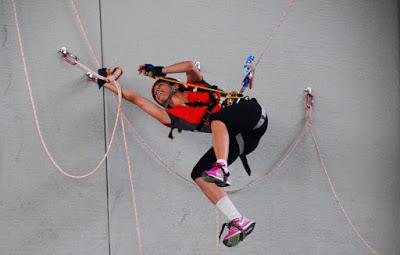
(221, 167)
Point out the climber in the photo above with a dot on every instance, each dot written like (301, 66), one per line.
(236, 131)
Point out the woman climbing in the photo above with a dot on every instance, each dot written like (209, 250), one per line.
(236, 131)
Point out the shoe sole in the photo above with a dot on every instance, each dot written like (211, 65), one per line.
(223, 184)
(214, 180)
(233, 240)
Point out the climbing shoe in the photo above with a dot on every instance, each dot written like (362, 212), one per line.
(218, 174)
(238, 229)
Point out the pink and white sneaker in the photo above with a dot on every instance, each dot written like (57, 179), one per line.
(238, 228)
(218, 174)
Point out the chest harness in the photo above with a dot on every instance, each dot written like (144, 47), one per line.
(214, 94)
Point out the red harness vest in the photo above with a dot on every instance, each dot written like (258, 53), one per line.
(191, 115)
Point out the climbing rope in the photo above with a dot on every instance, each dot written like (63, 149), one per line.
(49, 154)
(309, 105)
(274, 32)
(334, 193)
(115, 74)
(86, 40)
(83, 33)
(309, 102)
(132, 186)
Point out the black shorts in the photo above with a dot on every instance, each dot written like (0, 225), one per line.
(238, 118)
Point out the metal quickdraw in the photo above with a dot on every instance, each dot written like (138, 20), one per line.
(68, 57)
(90, 77)
(309, 98)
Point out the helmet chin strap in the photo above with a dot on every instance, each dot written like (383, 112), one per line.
(171, 94)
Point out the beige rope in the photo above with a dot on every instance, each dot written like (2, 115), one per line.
(335, 196)
(274, 32)
(286, 155)
(155, 155)
(132, 185)
(112, 136)
(37, 123)
(276, 166)
(83, 33)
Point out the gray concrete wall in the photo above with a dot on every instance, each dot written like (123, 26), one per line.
(347, 51)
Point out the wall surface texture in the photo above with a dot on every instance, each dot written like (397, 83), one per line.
(347, 51)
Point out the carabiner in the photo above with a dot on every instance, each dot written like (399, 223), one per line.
(197, 64)
(119, 73)
(68, 57)
(309, 98)
(251, 76)
(90, 76)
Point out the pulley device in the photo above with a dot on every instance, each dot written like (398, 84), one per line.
(247, 82)
(248, 72)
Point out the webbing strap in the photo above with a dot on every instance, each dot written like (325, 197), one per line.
(240, 141)
(243, 158)
(211, 105)
(262, 119)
